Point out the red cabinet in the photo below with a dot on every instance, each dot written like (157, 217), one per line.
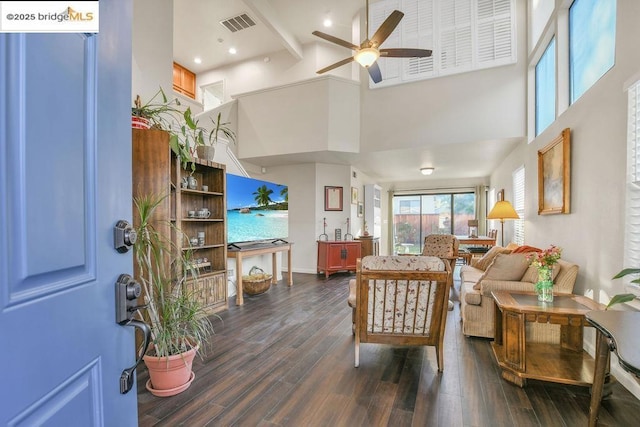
(337, 256)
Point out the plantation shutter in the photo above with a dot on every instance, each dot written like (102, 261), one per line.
(632, 221)
(495, 32)
(389, 67)
(464, 35)
(455, 35)
(518, 205)
(417, 32)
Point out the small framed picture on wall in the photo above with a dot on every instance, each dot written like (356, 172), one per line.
(332, 198)
(354, 195)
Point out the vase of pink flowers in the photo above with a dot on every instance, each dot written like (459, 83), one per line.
(544, 262)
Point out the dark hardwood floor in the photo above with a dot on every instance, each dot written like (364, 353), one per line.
(285, 358)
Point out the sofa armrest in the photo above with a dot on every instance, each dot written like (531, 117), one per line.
(487, 286)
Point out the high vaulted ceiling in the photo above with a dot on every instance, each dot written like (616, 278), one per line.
(280, 24)
(287, 25)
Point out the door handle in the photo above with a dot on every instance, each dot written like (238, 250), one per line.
(127, 293)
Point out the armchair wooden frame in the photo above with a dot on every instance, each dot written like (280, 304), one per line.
(400, 279)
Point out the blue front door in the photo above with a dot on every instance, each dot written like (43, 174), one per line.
(65, 180)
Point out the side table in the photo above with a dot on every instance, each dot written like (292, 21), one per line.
(565, 363)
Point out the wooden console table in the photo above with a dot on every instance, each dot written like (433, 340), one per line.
(618, 332)
(240, 252)
(566, 363)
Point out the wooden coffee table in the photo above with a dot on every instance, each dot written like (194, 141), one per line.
(566, 362)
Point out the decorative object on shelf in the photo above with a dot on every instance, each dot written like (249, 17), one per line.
(207, 151)
(201, 238)
(192, 182)
(257, 282)
(502, 210)
(338, 234)
(366, 230)
(332, 198)
(324, 236)
(348, 235)
(188, 326)
(160, 112)
(544, 262)
(554, 174)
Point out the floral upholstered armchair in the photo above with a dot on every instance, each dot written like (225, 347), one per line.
(401, 300)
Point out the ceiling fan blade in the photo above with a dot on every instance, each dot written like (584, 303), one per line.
(405, 53)
(336, 65)
(374, 72)
(386, 28)
(335, 40)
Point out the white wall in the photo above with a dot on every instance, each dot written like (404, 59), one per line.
(281, 69)
(152, 48)
(592, 235)
(318, 114)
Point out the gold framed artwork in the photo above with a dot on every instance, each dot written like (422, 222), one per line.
(332, 198)
(354, 196)
(554, 175)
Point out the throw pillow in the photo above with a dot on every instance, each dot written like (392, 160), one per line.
(512, 246)
(525, 248)
(487, 258)
(531, 275)
(505, 267)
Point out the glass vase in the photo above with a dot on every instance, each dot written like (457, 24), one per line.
(544, 286)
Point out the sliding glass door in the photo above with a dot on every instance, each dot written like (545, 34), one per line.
(417, 215)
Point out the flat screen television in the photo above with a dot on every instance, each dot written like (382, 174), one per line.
(257, 211)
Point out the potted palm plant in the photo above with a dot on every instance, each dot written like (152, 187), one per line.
(206, 151)
(179, 325)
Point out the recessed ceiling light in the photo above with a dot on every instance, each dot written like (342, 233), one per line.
(327, 22)
(232, 50)
(426, 171)
(197, 60)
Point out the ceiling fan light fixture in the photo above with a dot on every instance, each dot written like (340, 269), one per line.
(367, 56)
(426, 171)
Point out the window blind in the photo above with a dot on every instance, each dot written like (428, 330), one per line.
(632, 220)
(518, 205)
(464, 35)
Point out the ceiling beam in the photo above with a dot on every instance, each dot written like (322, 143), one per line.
(265, 12)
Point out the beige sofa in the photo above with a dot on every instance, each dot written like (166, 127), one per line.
(506, 271)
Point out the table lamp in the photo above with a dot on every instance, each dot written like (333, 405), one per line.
(502, 210)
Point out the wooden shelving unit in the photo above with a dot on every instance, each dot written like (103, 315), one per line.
(157, 170)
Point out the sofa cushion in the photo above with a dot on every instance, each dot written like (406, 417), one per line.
(483, 263)
(531, 275)
(505, 267)
(512, 246)
(470, 295)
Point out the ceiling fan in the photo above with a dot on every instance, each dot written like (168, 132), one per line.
(369, 50)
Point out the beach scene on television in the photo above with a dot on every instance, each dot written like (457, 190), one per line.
(256, 210)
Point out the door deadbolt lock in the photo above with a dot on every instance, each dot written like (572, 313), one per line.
(127, 293)
(124, 236)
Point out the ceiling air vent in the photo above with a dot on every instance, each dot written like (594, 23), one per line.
(238, 23)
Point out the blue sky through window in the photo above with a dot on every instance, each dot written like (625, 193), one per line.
(592, 41)
(546, 88)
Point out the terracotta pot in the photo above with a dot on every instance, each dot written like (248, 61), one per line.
(170, 375)
(140, 123)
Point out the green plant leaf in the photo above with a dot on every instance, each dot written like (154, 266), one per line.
(626, 272)
(619, 299)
